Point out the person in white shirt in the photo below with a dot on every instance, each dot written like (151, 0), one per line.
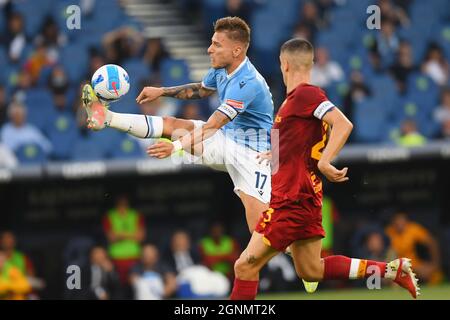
(324, 71)
(18, 132)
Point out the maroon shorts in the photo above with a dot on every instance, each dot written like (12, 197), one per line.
(290, 222)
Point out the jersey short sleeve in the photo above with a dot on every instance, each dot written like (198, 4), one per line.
(209, 80)
(312, 102)
(237, 99)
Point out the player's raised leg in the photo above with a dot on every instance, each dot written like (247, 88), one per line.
(141, 126)
(311, 267)
(248, 266)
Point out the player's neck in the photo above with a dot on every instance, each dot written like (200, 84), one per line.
(295, 80)
(232, 67)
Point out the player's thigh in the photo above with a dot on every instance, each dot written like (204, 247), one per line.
(253, 209)
(306, 256)
(174, 128)
(255, 256)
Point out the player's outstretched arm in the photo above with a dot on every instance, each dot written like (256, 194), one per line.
(191, 140)
(185, 92)
(341, 128)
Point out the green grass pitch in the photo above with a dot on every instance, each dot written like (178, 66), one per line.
(441, 292)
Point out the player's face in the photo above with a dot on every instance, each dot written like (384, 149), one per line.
(221, 50)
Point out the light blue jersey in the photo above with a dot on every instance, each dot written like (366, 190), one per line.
(245, 99)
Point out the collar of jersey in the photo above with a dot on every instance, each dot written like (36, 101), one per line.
(229, 76)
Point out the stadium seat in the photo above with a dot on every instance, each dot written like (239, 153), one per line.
(127, 148)
(138, 70)
(75, 60)
(86, 149)
(370, 120)
(62, 131)
(174, 72)
(40, 106)
(105, 140)
(34, 13)
(31, 153)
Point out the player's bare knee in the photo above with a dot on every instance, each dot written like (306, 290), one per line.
(168, 126)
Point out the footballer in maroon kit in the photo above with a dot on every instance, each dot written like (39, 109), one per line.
(294, 219)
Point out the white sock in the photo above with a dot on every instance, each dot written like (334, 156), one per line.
(138, 125)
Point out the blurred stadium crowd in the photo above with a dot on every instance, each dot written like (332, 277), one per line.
(393, 83)
(125, 262)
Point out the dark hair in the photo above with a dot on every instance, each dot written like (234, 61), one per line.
(236, 29)
(297, 45)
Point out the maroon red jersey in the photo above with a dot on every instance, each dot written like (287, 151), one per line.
(302, 137)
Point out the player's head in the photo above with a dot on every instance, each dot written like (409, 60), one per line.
(296, 55)
(230, 41)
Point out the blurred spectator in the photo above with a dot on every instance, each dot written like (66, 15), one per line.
(411, 240)
(13, 284)
(96, 60)
(435, 65)
(191, 110)
(122, 44)
(125, 230)
(182, 255)
(324, 71)
(104, 283)
(51, 40)
(403, 66)
(280, 275)
(15, 38)
(21, 261)
(238, 8)
(410, 136)
(151, 280)
(303, 31)
(50, 37)
(387, 42)
(193, 279)
(370, 242)
(3, 105)
(394, 13)
(442, 113)
(38, 60)
(219, 251)
(357, 92)
(310, 18)
(155, 53)
(18, 132)
(7, 158)
(58, 81)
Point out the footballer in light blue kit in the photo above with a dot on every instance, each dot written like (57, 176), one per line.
(232, 138)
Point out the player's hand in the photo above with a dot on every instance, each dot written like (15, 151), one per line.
(149, 94)
(264, 157)
(331, 173)
(160, 150)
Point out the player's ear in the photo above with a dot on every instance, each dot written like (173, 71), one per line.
(237, 51)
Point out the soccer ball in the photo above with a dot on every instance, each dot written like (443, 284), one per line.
(110, 82)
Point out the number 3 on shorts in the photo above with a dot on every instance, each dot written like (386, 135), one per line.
(260, 178)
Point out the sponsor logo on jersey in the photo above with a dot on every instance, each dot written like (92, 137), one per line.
(278, 119)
